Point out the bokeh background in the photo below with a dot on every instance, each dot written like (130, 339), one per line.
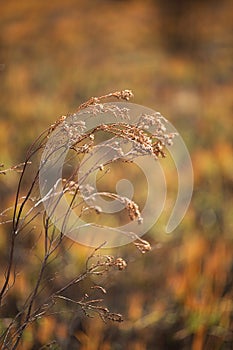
(176, 56)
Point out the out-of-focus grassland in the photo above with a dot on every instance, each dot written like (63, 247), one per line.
(177, 58)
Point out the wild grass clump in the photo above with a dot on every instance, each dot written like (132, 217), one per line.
(39, 255)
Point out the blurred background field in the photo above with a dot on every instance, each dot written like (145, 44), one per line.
(176, 56)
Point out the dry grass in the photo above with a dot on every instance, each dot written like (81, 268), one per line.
(53, 57)
(40, 300)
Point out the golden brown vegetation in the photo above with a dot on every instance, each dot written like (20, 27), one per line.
(177, 59)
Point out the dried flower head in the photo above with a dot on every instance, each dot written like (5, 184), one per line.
(142, 245)
(121, 264)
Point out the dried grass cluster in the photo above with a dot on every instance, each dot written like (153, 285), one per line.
(28, 209)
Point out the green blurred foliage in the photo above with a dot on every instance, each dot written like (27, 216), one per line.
(177, 58)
